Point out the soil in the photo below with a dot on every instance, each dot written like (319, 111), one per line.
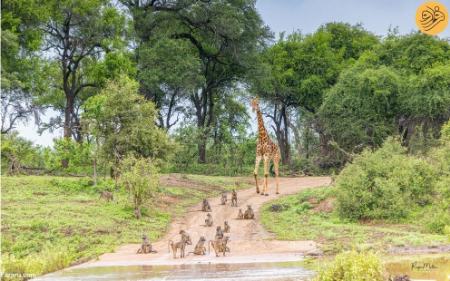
(249, 241)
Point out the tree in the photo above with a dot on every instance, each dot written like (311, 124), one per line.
(22, 75)
(299, 69)
(140, 178)
(123, 123)
(359, 110)
(77, 34)
(224, 37)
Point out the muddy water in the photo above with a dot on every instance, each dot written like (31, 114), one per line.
(422, 269)
(223, 272)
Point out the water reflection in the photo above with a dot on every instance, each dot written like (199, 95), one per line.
(223, 272)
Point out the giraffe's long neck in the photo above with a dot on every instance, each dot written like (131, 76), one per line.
(262, 132)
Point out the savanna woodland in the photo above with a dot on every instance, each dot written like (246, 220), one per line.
(143, 91)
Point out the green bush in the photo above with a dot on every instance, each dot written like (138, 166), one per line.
(353, 266)
(384, 184)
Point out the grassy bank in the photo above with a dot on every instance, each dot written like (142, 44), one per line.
(310, 215)
(49, 223)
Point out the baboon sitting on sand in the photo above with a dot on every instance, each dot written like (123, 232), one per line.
(200, 248)
(226, 227)
(209, 220)
(223, 199)
(219, 233)
(205, 206)
(249, 214)
(185, 240)
(146, 246)
(240, 215)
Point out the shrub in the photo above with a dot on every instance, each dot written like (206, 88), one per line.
(140, 178)
(353, 266)
(384, 184)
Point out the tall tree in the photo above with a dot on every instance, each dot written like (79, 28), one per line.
(77, 34)
(224, 35)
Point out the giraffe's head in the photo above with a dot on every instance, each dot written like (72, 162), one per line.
(255, 104)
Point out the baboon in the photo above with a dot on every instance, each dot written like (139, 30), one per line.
(249, 214)
(185, 240)
(146, 246)
(219, 233)
(234, 198)
(209, 220)
(223, 199)
(240, 215)
(107, 195)
(226, 227)
(205, 206)
(219, 245)
(200, 248)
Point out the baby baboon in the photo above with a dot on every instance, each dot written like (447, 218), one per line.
(205, 206)
(185, 240)
(249, 214)
(223, 199)
(219, 233)
(240, 215)
(200, 248)
(209, 220)
(226, 227)
(107, 195)
(146, 246)
(219, 245)
(234, 198)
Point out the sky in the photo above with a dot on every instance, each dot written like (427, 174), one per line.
(306, 16)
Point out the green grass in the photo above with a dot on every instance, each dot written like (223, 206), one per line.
(49, 223)
(301, 220)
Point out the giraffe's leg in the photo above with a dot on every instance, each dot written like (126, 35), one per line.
(255, 172)
(276, 165)
(266, 174)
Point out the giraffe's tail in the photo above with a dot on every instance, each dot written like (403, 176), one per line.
(271, 171)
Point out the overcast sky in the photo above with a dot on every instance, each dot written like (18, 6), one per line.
(376, 16)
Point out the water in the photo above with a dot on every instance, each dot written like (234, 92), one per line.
(204, 272)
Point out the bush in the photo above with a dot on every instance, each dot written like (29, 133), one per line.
(384, 184)
(353, 266)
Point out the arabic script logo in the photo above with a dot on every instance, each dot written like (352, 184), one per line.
(432, 17)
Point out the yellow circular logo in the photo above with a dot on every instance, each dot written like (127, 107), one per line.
(432, 17)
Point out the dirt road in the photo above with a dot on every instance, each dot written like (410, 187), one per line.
(249, 242)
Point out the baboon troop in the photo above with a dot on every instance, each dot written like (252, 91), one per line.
(185, 240)
(249, 214)
(107, 195)
(234, 198)
(205, 206)
(209, 220)
(223, 199)
(240, 215)
(146, 246)
(220, 241)
(226, 227)
(219, 245)
(200, 248)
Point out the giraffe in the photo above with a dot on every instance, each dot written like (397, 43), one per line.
(266, 150)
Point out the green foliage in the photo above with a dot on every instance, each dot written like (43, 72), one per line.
(124, 122)
(78, 155)
(353, 266)
(359, 109)
(384, 184)
(140, 178)
(18, 153)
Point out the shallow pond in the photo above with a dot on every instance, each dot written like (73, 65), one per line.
(418, 269)
(247, 272)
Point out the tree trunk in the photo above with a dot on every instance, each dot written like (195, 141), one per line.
(202, 150)
(67, 124)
